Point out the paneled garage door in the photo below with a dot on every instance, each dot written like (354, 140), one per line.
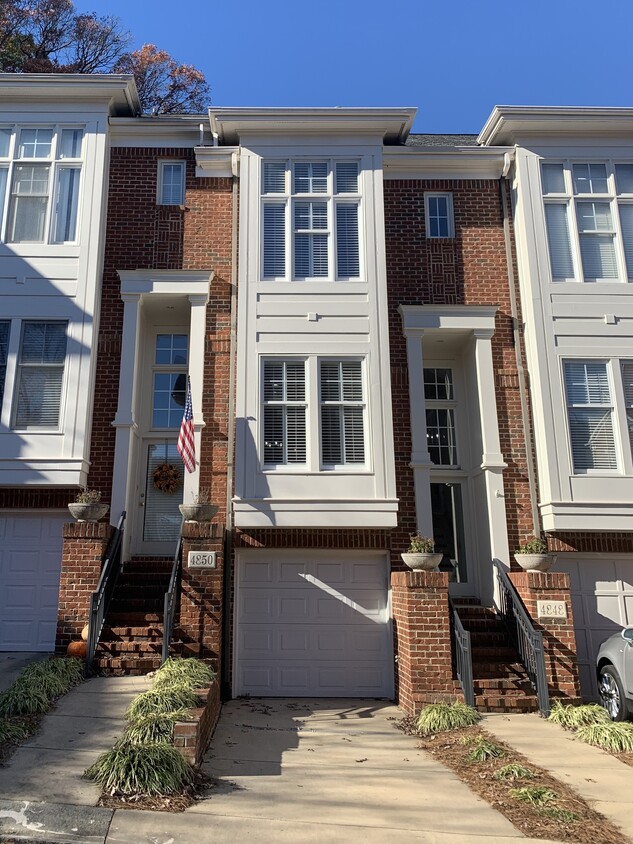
(602, 601)
(313, 624)
(30, 563)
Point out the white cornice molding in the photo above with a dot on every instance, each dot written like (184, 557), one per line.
(217, 162)
(473, 318)
(391, 125)
(444, 163)
(507, 124)
(119, 90)
(165, 282)
(147, 131)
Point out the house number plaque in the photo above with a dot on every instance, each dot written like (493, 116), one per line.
(201, 560)
(551, 609)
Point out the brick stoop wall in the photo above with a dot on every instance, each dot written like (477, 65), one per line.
(421, 618)
(559, 637)
(192, 737)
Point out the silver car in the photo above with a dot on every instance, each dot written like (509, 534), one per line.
(615, 674)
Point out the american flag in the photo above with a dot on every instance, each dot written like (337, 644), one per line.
(186, 442)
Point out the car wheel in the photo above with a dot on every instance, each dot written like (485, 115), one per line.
(611, 693)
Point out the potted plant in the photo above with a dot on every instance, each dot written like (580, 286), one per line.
(87, 507)
(420, 555)
(534, 556)
(200, 510)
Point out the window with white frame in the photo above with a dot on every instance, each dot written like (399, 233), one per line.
(590, 414)
(310, 220)
(40, 374)
(171, 182)
(298, 393)
(438, 209)
(40, 174)
(439, 396)
(589, 219)
(5, 327)
(170, 380)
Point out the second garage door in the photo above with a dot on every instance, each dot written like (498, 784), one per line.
(313, 624)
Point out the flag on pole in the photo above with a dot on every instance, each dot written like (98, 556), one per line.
(186, 442)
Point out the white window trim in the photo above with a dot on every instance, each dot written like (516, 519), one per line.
(428, 195)
(159, 181)
(288, 199)
(446, 404)
(314, 463)
(55, 165)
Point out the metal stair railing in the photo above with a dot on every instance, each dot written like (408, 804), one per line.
(462, 654)
(100, 599)
(527, 640)
(172, 600)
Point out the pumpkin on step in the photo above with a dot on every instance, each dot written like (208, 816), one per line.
(77, 649)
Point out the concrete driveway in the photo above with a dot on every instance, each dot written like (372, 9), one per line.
(321, 771)
(12, 662)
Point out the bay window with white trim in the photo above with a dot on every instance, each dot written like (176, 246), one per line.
(311, 220)
(589, 220)
(301, 396)
(40, 174)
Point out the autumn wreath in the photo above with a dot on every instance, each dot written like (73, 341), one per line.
(166, 478)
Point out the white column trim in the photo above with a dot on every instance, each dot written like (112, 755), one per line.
(420, 458)
(197, 333)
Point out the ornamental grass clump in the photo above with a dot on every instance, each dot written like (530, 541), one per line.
(514, 771)
(572, 717)
(10, 731)
(161, 700)
(441, 717)
(24, 697)
(152, 769)
(612, 736)
(535, 795)
(156, 728)
(482, 750)
(191, 672)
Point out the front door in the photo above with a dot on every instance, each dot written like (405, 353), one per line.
(448, 532)
(159, 517)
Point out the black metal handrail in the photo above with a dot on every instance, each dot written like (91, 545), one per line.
(172, 599)
(462, 655)
(100, 598)
(528, 640)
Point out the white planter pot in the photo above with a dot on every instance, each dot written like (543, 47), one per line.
(198, 512)
(422, 562)
(88, 512)
(535, 562)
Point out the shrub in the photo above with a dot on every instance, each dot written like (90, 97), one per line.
(514, 771)
(533, 545)
(154, 769)
(156, 728)
(24, 697)
(612, 736)
(571, 717)
(419, 544)
(166, 699)
(70, 668)
(483, 749)
(192, 672)
(439, 717)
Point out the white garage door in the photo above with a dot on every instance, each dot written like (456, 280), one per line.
(30, 564)
(602, 601)
(313, 624)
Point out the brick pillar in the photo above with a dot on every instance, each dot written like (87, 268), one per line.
(559, 637)
(422, 630)
(82, 553)
(201, 603)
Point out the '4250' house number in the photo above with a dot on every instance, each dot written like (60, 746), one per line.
(201, 560)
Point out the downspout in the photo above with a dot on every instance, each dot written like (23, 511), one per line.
(230, 457)
(516, 332)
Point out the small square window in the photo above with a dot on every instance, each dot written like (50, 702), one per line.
(171, 183)
(438, 209)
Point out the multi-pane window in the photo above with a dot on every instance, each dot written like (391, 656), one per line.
(310, 220)
(170, 380)
(171, 182)
(439, 398)
(41, 361)
(590, 410)
(589, 219)
(284, 398)
(342, 412)
(5, 327)
(438, 208)
(40, 172)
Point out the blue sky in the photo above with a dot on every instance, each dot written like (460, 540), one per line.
(454, 61)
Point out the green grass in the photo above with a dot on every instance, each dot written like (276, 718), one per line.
(154, 769)
(161, 700)
(482, 750)
(441, 717)
(612, 736)
(514, 771)
(535, 795)
(572, 717)
(192, 672)
(10, 731)
(156, 728)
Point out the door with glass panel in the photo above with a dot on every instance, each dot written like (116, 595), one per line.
(162, 471)
(449, 481)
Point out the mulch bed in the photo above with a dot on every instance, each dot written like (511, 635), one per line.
(450, 750)
(169, 803)
(30, 723)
